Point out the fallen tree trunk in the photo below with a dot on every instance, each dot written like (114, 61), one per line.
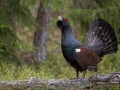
(95, 82)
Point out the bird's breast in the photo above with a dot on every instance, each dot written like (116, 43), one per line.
(68, 52)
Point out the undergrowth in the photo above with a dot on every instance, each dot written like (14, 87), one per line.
(55, 67)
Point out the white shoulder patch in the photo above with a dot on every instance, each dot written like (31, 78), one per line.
(100, 27)
(78, 50)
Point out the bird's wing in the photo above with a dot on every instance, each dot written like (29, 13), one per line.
(86, 58)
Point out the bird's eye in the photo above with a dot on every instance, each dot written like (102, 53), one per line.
(59, 18)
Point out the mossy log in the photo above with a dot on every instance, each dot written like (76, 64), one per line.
(94, 82)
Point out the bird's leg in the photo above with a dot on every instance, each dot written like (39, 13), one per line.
(96, 71)
(84, 73)
(97, 75)
(77, 73)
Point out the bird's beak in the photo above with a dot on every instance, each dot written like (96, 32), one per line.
(60, 18)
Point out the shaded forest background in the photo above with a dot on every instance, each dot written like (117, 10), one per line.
(30, 40)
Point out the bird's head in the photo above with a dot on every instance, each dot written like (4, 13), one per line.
(62, 23)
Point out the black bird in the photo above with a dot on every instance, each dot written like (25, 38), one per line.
(101, 40)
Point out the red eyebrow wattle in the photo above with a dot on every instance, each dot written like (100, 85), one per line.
(66, 20)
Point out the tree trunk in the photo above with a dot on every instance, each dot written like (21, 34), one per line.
(40, 36)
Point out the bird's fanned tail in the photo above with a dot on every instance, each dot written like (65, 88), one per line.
(101, 38)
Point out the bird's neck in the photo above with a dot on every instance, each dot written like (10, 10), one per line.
(66, 34)
(68, 38)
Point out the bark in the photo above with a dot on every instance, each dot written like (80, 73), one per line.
(95, 82)
(40, 36)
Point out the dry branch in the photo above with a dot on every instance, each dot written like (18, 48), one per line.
(95, 81)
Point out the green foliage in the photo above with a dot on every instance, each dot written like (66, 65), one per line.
(14, 15)
(8, 44)
(60, 5)
(84, 12)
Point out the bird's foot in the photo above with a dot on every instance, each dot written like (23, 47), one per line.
(94, 77)
(80, 78)
(77, 79)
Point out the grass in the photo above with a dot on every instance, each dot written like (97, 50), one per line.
(112, 87)
(54, 67)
